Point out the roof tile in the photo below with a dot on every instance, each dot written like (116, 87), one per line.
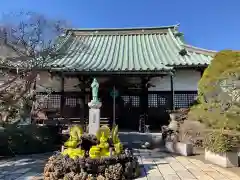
(145, 51)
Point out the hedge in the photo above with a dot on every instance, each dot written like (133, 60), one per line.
(28, 139)
(220, 110)
(224, 61)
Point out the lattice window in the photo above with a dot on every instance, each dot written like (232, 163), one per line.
(161, 101)
(192, 97)
(125, 99)
(135, 100)
(152, 100)
(183, 100)
(52, 101)
(72, 102)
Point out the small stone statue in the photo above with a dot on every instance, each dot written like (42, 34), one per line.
(95, 87)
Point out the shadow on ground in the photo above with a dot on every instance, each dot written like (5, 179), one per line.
(151, 159)
(29, 165)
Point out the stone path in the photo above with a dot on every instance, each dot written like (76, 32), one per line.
(164, 166)
(27, 167)
(155, 166)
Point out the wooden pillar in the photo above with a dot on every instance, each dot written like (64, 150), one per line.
(143, 104)
(202, 71)
(144, 96)
(62, 95)
(83, 80)
(172, 91)
(83, 91)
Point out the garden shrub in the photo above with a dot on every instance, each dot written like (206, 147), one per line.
(219, 95)
(221, 142)
(192, 132)
(222, 62)
(28, 139)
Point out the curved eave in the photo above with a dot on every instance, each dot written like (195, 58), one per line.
(163, 70)
(114, 72)
(199, 50)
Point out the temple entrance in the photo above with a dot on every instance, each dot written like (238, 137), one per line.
(127, 109)
(129, 119)
(159, 104)
(73, 105)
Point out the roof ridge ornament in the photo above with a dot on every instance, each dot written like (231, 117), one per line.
(179, 35)
(183, 52)
(176, 27)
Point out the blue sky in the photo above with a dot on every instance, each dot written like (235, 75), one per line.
(209, 24)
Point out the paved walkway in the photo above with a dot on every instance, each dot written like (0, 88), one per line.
(27, 167)
(155, 166)
(164, 166)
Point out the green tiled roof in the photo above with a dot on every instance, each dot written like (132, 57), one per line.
(129, 50)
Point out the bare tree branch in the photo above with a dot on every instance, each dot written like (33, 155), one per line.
(28, 42)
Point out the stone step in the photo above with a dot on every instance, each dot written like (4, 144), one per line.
(143, 137)
(136, 140)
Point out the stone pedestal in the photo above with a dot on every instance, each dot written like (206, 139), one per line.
(94, 117)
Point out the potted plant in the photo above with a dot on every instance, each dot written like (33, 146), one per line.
(173, 142)
(221, 149)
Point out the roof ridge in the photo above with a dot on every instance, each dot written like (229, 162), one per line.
(122, 31)
(124, 28)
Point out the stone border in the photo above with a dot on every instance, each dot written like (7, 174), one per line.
(227, 159)
(181, 148)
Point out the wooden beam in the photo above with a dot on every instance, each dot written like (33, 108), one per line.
(82, 79)
(172, 92)
(62, 94)
(104, 73)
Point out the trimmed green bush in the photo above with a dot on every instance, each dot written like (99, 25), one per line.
(222, 62)
(28, 139)
(219, 97)
(220, 142)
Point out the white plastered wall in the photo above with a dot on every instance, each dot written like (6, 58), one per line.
(70, 83)
(184, 80)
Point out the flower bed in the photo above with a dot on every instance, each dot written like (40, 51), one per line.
(221, 148)
(86, 157)
(123, 166)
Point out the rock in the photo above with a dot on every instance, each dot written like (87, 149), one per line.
(146, 145)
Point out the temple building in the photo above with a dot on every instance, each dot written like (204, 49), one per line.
(140, 71)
